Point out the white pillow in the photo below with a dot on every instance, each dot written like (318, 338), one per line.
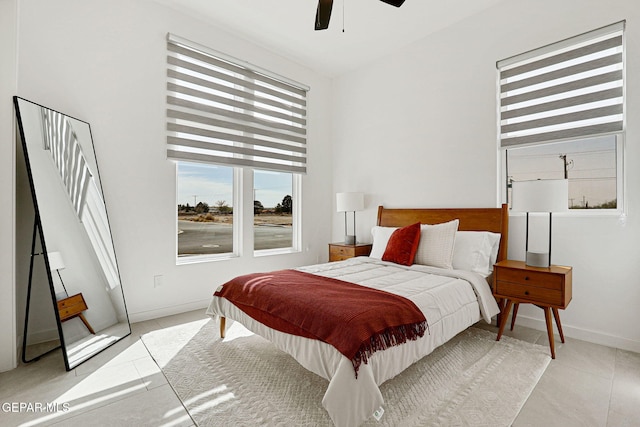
(436, 244)
(381, 237)
(494, 251)
(476, 251)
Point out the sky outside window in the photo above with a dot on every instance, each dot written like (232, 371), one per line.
(590, 164)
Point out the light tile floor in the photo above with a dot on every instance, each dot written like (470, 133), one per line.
(586, 385)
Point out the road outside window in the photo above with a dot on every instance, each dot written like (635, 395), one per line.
(205, 209)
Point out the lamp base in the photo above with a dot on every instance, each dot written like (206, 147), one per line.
(538, 259)
(349, 240)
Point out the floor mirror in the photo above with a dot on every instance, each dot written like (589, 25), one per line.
(74, 298)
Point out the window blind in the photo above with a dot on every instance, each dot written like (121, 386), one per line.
(223, 111)
(570, 89)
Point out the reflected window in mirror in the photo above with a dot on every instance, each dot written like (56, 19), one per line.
(205, 211)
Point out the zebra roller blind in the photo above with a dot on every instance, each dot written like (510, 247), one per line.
(222, 111)
(61, 141)
(571, 89)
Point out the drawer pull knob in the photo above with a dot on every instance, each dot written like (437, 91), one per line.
(526, 277)
(526, 292)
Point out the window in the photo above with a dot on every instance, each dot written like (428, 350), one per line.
(205, 209)
(227, 121)
(591, 166)
(273, 210)
(561, 115)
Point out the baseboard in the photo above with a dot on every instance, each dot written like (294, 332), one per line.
(582, 334)
(37, 338)
(41, 336)
(142, 316)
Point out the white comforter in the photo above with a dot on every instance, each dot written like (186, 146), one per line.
(451, 301)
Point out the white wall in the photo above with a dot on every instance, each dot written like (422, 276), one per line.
(414, 129)
(105, 63)
(8, 38)
(419, 129)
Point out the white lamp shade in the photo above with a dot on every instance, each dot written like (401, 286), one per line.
(55, 261)
(542, 195)
(349, 202)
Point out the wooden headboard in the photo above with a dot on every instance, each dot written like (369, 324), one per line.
(495, 220)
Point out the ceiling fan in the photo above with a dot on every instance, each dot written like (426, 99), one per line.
(323, 13)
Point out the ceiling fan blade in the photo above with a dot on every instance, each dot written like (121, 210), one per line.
(323, 14)
(396, 3)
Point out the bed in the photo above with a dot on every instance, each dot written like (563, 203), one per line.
(452, 299)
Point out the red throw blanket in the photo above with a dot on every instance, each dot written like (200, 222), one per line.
(356, 320)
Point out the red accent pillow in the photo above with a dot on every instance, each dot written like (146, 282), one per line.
(403, 245)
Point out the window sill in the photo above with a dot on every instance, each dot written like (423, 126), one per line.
(197, 259)
(279, 251)
(580, 213)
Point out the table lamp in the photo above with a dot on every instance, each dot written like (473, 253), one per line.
(349, 202)
(542, 195)
(56, 264)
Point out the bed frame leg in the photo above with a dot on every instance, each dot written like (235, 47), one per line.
(223, 322)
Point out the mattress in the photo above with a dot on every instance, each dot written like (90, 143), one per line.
(451, 300)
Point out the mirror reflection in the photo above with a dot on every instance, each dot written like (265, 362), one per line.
(72, 253)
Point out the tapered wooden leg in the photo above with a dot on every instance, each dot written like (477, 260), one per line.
(547, 317)
(515, 313)
(556, 315)
(503, 319)
(501, 307)
(84, 320)
(223, 322)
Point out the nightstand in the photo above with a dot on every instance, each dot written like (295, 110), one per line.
(546, 287)
(73, 306)
(341, 251)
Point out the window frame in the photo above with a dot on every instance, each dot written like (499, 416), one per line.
(296, 235)
(620, 179)
(502, 149)
(236, 226)
(257, 137)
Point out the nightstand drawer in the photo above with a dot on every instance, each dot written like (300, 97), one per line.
(538, 295)
(71, 306)
(341, 252)
(68, 312)
(72, 300)
(530, 278)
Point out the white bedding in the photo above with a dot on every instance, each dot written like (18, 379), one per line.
(451, 300)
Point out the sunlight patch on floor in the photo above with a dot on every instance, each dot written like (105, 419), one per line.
(114, 380)
(183, 333)
(87, 349)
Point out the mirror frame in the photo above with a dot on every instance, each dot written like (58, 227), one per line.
(38, 236)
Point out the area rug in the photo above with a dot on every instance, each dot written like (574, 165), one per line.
(245, 381)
